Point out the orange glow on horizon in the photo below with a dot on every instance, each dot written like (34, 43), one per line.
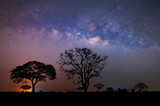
(22, 90)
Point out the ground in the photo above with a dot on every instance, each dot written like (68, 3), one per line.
(71, 98)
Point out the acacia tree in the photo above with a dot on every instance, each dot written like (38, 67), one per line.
(141, 86)
(25, 87)
(99, 86)
(33, 71)
(81, 65)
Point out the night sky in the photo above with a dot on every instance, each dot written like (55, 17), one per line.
(127, 31)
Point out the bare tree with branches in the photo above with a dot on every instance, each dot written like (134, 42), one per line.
(81, 64)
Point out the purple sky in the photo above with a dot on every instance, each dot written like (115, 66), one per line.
(126, 31)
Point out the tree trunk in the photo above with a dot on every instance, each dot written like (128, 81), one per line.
(85, 89)
(85, 86)
(99, 89)
(140, 89)
(33, 87)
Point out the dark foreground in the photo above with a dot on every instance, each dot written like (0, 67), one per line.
(81, 98)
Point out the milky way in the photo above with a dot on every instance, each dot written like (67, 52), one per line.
(125, 30)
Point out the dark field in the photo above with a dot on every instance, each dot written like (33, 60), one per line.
(81, 98)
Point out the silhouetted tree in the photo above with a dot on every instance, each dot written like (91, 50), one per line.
(122, 90)
(109, 89)
(81, 64)
(33, 71)
(99, 86)
(25, 87)
(141, 86)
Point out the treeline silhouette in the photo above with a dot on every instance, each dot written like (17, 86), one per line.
(80, 65)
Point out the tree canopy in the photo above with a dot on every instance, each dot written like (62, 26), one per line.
(33, 71)
(25, 87)
(141, 86)
(99, 86)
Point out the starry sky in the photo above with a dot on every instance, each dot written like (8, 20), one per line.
(125, 30)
